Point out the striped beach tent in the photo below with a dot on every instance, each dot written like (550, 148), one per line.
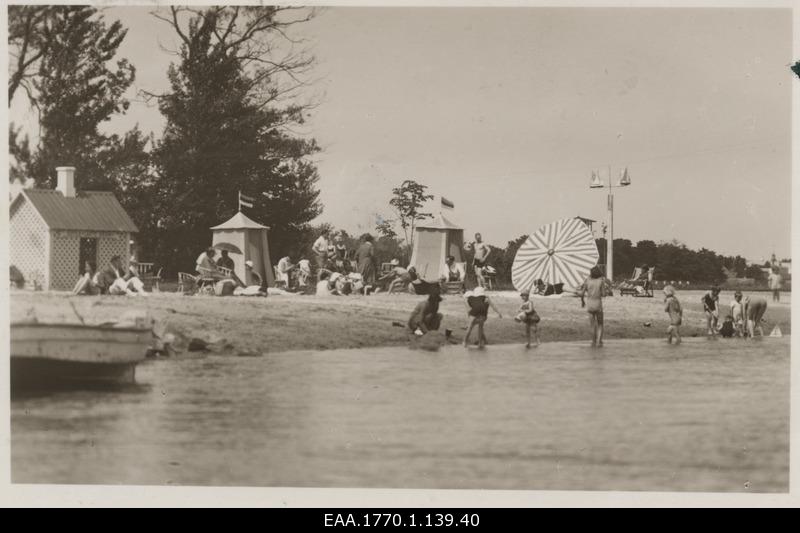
(560, 252)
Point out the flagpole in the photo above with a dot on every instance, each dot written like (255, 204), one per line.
(596, 184)
(610, 240)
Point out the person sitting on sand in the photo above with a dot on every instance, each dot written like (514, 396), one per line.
(426, 316)
(478, 305)
(710, 302)
(303, 273)
(673, 307)
(727, 329)
(87, 283)
(113, 280)
(754, 309)
(594, 289)
(324, 287)
(528, 316)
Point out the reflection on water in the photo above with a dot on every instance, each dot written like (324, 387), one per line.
(635, 415)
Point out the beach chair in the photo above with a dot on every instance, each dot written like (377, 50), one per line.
(144, 271)
(635, 286)
(187, 283)
(206, 280)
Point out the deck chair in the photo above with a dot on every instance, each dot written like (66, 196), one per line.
(635, 286)
(187, 283)
(144, 271)
(206, 280)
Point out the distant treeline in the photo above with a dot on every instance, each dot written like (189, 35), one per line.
(672, 261)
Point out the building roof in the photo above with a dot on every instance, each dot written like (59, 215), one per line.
(240, 221)
(87, 211)
(438, 223)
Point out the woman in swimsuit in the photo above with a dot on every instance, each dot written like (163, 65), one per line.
(594, 289)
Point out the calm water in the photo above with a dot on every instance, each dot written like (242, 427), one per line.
(636, 415)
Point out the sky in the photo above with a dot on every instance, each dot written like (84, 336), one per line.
(507, 111)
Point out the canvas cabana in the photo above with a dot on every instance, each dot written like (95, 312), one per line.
(433, 242)
(250, 237)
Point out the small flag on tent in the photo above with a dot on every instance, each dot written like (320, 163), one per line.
(246, 201)
(776, 332)
(447, 203)
(624, 177)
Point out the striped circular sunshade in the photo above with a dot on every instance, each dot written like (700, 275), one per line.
(560, 252)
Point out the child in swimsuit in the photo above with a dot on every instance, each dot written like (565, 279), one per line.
(478, 304)
(737, 312)
(673, 307)
(528, 316)
(711, 308)
(727, 330)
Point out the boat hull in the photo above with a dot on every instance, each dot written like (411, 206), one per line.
(47, 355)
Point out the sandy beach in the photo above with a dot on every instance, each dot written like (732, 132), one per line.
(241, 325)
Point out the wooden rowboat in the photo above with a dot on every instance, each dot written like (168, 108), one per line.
(44, 355)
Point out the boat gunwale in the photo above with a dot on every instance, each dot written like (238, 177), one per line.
(80, 326)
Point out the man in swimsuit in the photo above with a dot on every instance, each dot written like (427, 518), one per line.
(479, 261)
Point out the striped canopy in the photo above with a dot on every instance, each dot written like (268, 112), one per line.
(560, 252)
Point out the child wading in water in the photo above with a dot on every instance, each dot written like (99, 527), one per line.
(478, 304)
(528, 316)
(673, 307)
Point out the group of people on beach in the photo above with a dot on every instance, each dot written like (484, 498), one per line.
(744, 319)
(112, 279)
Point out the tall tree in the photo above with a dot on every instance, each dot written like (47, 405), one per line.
(407, 201)
(230, 114)
(77, 85)
(27, 43)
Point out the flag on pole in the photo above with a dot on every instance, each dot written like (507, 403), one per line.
(624, 177)
(246, 201)
(447, 203)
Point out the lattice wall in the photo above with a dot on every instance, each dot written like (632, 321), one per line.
(28, 244)
(65, 254)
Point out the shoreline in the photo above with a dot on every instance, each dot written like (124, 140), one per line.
(289, 323)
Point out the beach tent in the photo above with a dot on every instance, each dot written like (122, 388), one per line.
(250, 237)
(433, 242)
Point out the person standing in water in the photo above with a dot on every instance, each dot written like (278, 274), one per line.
(528, 316)
(478, 305)
(673, 307)
(595, 288)
(754, 309)
(710, 302)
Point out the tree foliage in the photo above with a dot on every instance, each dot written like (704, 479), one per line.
(66, 62)
(229, 130)
(407, 201)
